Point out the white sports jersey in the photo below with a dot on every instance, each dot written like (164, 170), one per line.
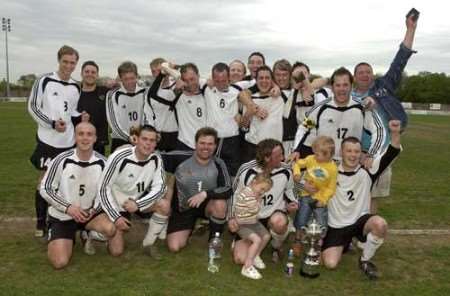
(303, 107)
(125, 177)
(191, 115)
(339, 123)
(274, 199)
(51, 99)
(161, 99)
(71, 181)
(221, 108)
(352, 197)
(272, 125)
(124, 110)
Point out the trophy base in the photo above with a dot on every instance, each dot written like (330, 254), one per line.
(309, 275)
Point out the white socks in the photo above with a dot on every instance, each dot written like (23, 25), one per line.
(370, 247)
(155, 225)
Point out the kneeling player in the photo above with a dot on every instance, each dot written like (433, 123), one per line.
(349, 210)
(70, 187)
(202, 186)
(133, 182)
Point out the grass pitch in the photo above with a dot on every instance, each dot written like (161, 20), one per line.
(410, 265)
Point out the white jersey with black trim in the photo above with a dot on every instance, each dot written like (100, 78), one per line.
(222, 107)
(125, 109)
(191, 115)
(161, 99)
(71, 181)
(272, 125)
(340, 122)
(52, 99)
(276, 198)
(125, 177)
(352, 197)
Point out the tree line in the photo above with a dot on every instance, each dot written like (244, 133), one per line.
(424, 87)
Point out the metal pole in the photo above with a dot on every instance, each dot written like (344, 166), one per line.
(6, 26)
(7, 58)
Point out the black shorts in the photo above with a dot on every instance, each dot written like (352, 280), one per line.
(116, 143)
(146, 215)
(228, 150)
(168, 141)
(58, 229)
(248, 151)
(185, 220)
(343, 236)
(43, 154)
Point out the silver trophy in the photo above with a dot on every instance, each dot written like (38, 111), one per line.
(310, 265)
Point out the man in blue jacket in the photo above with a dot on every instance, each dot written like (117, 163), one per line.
(382, 91)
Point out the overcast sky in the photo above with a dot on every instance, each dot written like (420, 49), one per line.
(323, 34)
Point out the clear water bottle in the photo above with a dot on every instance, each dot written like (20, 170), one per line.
(214, 253)
(289, 268)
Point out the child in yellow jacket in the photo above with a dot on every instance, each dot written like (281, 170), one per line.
(321, 171)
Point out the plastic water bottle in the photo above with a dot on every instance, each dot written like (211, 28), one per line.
(214, 253)
(289, 268)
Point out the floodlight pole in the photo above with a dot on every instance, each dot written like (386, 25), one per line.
(6, 27)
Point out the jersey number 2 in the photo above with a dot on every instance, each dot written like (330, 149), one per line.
(350, 195)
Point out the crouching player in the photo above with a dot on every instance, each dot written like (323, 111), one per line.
(349, 210)
(70, 188)
(133, 183)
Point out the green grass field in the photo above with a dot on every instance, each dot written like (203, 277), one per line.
(410, 265)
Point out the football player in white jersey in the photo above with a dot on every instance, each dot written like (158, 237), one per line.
(190, 106)
(53, 105)
(133, 182)
(125, 106)
(349, 210)
(276, 203)
(266, 120)
(70, 187)
(339, 117)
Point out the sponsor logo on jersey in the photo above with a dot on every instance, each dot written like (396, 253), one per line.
(55, 93)
(189, 101)
(124, 106)
(131, 175)
(72, 177)
(330, 120)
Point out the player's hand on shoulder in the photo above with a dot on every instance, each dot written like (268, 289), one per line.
(369, 103)
(60, 126)
(275, 91)
(85, 117)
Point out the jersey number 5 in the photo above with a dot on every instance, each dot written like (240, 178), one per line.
(82, 190)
